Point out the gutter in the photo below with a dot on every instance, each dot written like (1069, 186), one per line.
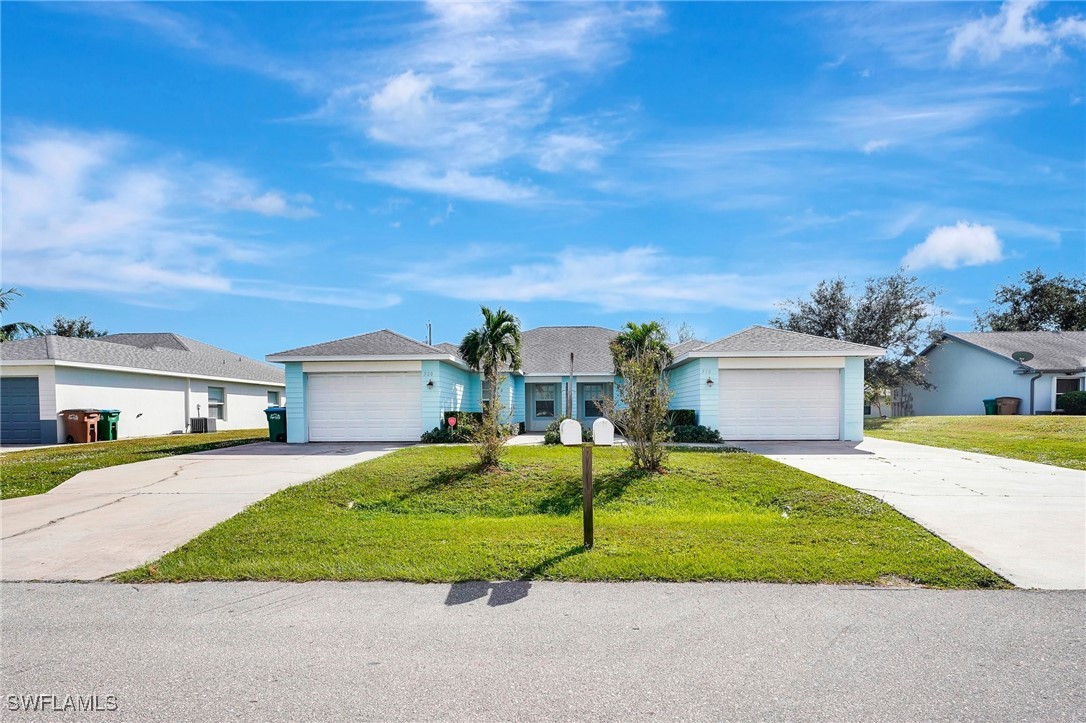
(1032, 394)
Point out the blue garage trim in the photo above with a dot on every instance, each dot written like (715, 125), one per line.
(297, 426)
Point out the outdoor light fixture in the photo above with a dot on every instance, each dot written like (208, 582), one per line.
(430, 384)
(709, 382)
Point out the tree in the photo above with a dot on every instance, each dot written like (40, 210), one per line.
(685, 333)
(81, 327)
(636, 339)
(644, 394)
(489, 348)
(895, 312)
(13, 330)
(1038, 303)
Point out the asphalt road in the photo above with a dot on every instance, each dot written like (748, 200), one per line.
(544, 651)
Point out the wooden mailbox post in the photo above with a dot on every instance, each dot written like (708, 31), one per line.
(603, 435)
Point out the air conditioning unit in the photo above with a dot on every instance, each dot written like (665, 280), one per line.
(212, 424)
(198, 425)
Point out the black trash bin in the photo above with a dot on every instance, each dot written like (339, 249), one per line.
(277, 423)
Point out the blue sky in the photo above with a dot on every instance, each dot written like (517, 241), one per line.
(262, 176)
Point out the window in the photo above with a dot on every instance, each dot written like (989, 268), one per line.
(216, 402)
(273, 399)
(1067, 385)
(867, 410)
(544, 401)
(592, 394)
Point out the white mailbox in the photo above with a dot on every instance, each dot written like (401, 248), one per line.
(570, 432)
(603, 433)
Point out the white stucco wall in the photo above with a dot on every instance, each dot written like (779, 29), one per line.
(152, 404)
(964, 376)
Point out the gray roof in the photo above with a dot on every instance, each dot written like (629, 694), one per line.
(449, 348)
(375, 343)
(1052, 350)
(546, 349)
(677, 350)
(152, 352)
(765, 340)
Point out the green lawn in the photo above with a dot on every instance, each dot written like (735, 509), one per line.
(425, 514)
(1050, 439)
(40, 470)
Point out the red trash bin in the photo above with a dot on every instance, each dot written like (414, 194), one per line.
(80, 425)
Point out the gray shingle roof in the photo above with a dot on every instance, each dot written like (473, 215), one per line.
(677, 350)
(1052, 350)
(449, 348)
(765, 340)
(375, 343)
(545, 350)
(152, 352)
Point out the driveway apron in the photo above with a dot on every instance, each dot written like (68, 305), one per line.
(1025, 521)
(104, 521)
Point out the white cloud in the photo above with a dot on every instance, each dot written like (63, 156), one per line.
(876, 145)
(100, 212)
(636, 278)
(476, 85)
(1015, 27)
(421, 176)
(948, 247)
(442, 217)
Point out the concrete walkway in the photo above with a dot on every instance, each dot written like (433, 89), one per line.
(1024, 520)
(108, 520)
(538, 651)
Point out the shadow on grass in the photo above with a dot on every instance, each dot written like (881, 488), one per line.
(505, 592)
(606, 488)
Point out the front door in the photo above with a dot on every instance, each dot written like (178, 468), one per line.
(542, 406)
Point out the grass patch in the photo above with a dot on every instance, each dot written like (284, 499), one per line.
(34, 471)
(1048, 439)
(426, 514)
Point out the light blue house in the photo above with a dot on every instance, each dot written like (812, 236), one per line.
(760, 383)
(968, 367)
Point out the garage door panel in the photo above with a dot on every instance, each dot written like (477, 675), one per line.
(19, 411)
(780, 404)
(363, 406)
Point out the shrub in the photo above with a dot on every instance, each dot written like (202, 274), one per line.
(682, 417)
(447, 435)
(695, 433)
(1072, 402)
(552, 436)
(468, 418)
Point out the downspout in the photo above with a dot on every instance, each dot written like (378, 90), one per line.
(1032, 380)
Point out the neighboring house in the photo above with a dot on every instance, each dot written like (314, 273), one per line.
(969, 367)
(760, 383)
(158, 381)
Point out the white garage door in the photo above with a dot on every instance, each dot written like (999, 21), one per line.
(780, 404)
(364, 407)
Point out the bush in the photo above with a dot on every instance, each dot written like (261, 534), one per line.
(695, 433)
(462, 418)
(682, 418)
(447, 435)
(552, 436)
(1072, 402)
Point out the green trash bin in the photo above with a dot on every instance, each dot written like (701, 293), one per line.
(989, 406)
(277, 423)
(107, 423)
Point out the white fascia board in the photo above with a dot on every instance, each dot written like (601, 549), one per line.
(147, 372)
(875, 352)
(280, 359)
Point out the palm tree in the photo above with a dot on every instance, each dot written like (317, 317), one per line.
(490, 347)
(493, 345)
(636, 339)
(15, 329)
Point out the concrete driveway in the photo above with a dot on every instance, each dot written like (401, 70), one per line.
(108, 520)
(1024, 520)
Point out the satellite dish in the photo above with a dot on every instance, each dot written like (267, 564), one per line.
(1021, 356)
